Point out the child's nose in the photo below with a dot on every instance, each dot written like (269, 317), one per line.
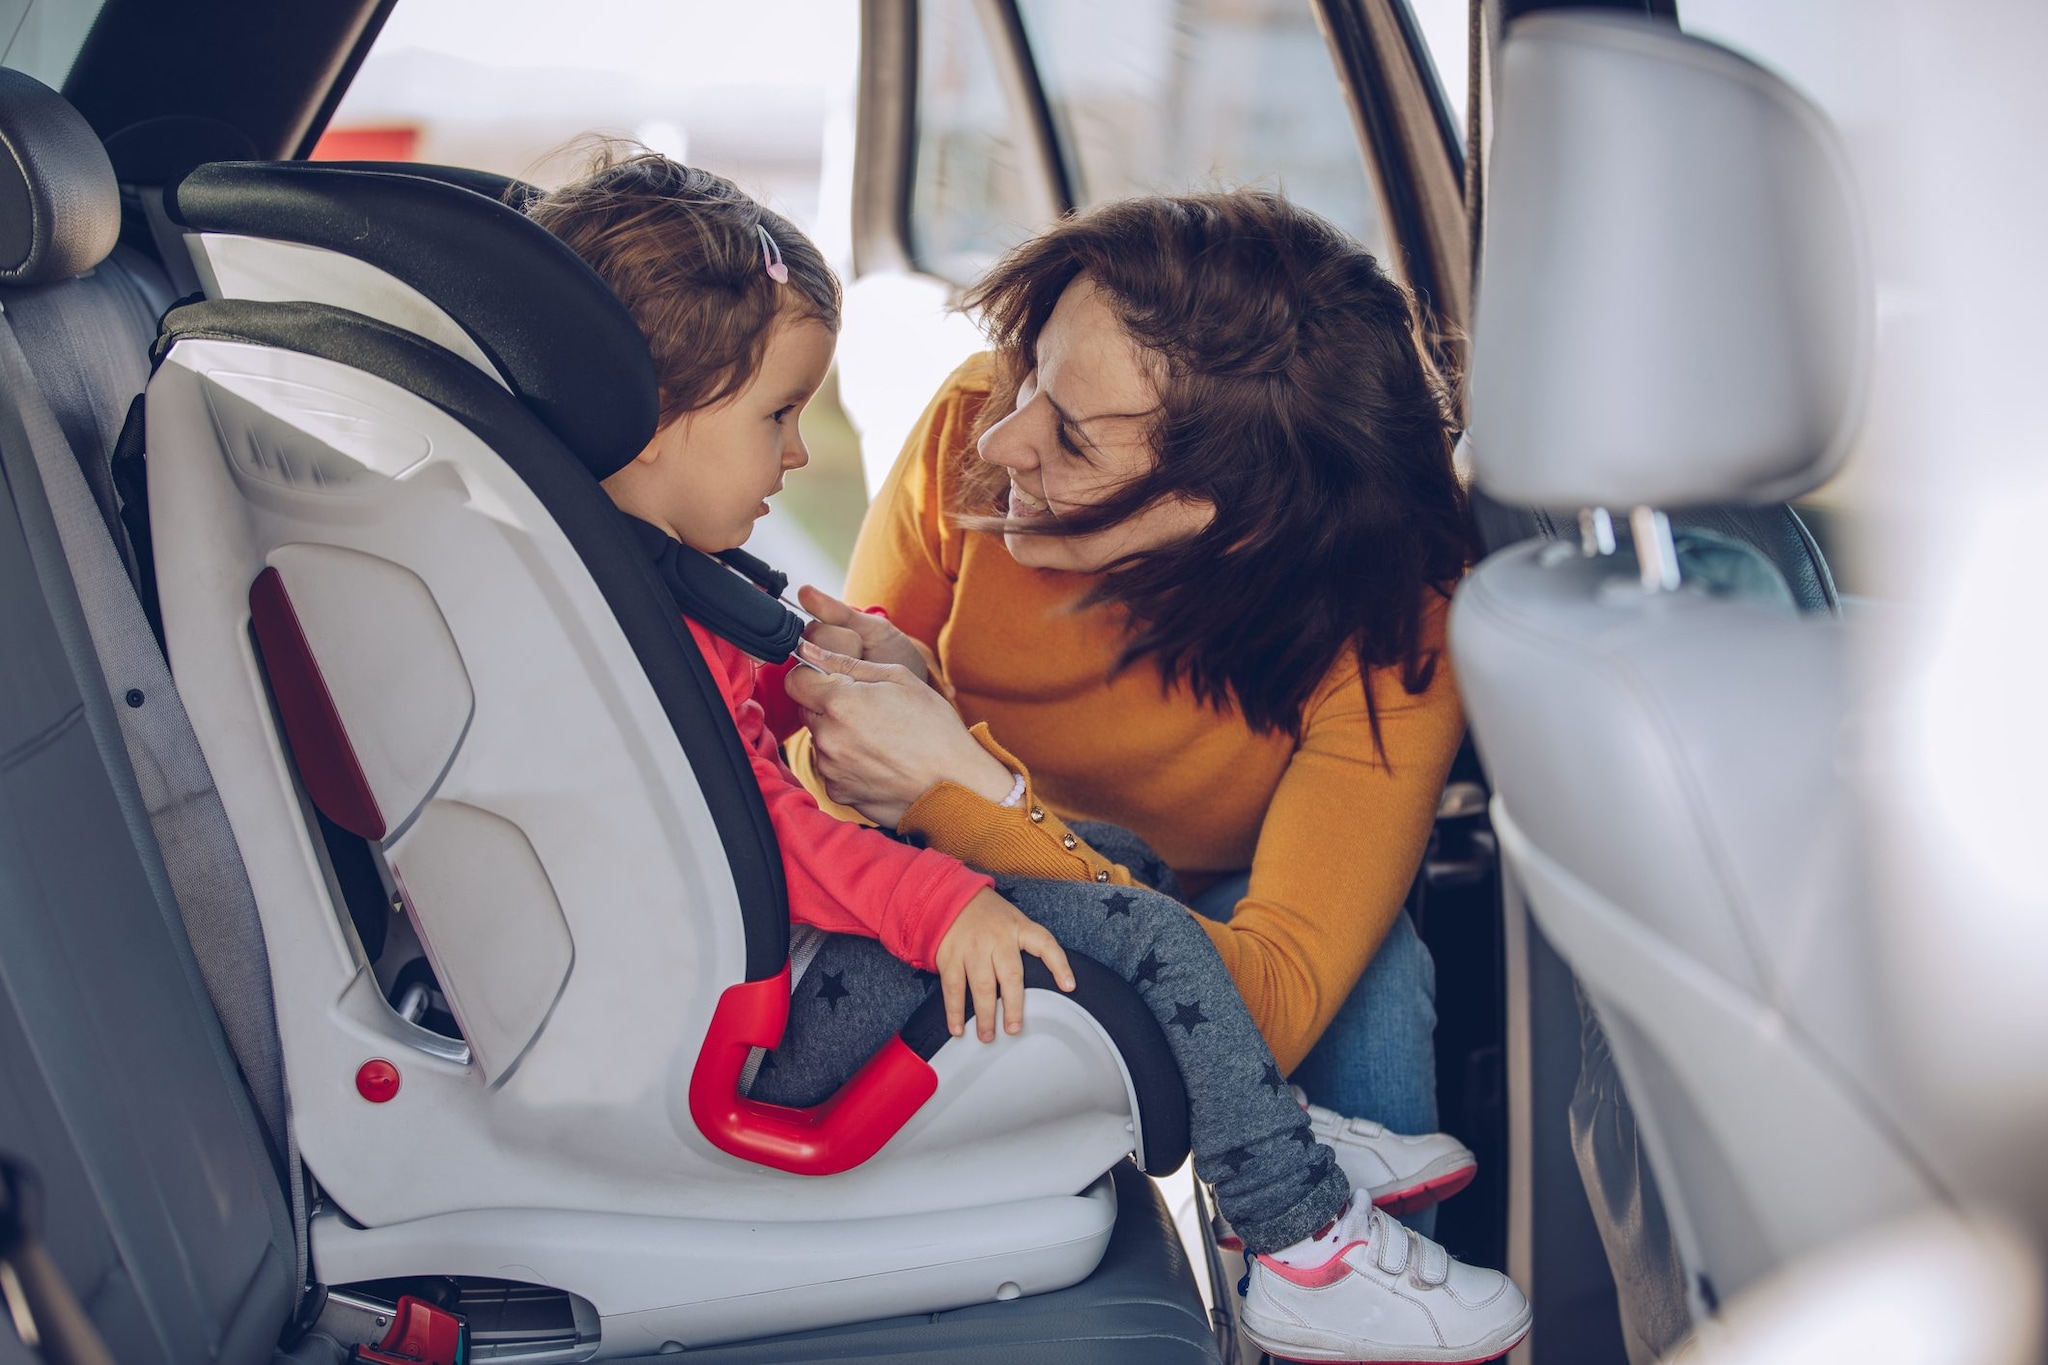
(795, 454)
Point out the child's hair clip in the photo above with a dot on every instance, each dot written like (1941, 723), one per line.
(771, 257)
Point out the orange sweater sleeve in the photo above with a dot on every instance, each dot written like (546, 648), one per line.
(1024, 840)
(1339, 849)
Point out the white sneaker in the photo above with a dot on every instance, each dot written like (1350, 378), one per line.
(1398, 1172)
(1368, 1289)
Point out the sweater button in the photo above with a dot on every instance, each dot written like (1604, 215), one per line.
(1102, 876)
(1068, 841)
(1038, 815)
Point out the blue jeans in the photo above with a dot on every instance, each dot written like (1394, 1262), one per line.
(1377, 1059)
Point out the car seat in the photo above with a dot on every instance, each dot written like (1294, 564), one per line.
(1676, 315)
(425, 661)
(414, 635)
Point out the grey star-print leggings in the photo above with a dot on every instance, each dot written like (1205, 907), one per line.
(1273, 1180)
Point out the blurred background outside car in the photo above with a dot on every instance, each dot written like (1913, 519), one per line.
(1149, 94)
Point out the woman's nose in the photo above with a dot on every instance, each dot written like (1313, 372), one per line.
(1008, 443)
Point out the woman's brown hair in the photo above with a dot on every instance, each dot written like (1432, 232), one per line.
(682, 249)
(1293, 397)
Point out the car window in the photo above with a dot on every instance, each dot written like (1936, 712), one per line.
(976, 189)
(42, 37)
(1445, 29)
(1153, 95)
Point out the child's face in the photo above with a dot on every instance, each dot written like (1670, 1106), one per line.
(706, 476)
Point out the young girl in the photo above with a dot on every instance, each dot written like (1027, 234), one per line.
(741, 314)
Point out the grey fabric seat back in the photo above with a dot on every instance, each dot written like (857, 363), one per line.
(1676, 315)
(164, 1207)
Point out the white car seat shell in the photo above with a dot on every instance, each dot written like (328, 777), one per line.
(392, 594)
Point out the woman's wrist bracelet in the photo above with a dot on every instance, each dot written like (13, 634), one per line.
(1016, 796)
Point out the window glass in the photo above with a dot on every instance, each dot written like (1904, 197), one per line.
(1154, 95)
(42, 37)
(977, 188)
(1446, 31)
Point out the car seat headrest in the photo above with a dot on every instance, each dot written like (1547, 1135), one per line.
(1676, 308)
(556, 333)
(60, 209)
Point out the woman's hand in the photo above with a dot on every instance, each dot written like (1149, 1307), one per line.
(865, 635)
(881, 738)
(983, 953)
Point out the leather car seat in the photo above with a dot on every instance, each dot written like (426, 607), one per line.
(1676, 315)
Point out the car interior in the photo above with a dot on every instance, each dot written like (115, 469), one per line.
(389, 924)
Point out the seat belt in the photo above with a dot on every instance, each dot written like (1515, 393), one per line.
(200, 859)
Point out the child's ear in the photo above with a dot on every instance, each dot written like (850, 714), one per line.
(663, 437)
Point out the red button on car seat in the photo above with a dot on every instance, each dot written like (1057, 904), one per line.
(377, 1080)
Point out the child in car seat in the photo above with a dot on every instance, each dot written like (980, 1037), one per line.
(741, 313)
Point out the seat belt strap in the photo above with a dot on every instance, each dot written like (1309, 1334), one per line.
(201, 864)
(130, 476)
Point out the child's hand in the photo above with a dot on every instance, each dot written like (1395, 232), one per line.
(864, 635)
(984, 953)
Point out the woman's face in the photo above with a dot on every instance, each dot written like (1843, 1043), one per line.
(1079, 434)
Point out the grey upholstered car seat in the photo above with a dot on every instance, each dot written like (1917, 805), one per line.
(1676, 314)
(162, 1203)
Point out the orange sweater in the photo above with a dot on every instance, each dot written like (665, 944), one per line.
(1332, 834)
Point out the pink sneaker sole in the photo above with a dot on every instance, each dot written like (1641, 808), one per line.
(1401, 1203)
(1404, 1202)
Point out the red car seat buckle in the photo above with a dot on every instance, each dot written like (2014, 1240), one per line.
(834, 1135)
(420, 1334)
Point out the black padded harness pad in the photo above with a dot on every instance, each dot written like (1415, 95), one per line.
(60, 209)
(556, 332)
(726, 604)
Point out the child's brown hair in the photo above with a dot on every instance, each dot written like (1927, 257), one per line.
(682, 249)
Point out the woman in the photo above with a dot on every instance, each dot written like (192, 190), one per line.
(1180, 551)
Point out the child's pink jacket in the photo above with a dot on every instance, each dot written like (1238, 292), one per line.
(843, 878)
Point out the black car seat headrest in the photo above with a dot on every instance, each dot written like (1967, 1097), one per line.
(503, 188)
(556, 334)
(60, 208)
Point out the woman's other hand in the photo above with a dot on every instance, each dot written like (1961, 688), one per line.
(880, 738)
(983, 954)
(866, 635)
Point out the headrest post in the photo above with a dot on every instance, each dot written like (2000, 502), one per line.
(1596, 532)
(1656, 555)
